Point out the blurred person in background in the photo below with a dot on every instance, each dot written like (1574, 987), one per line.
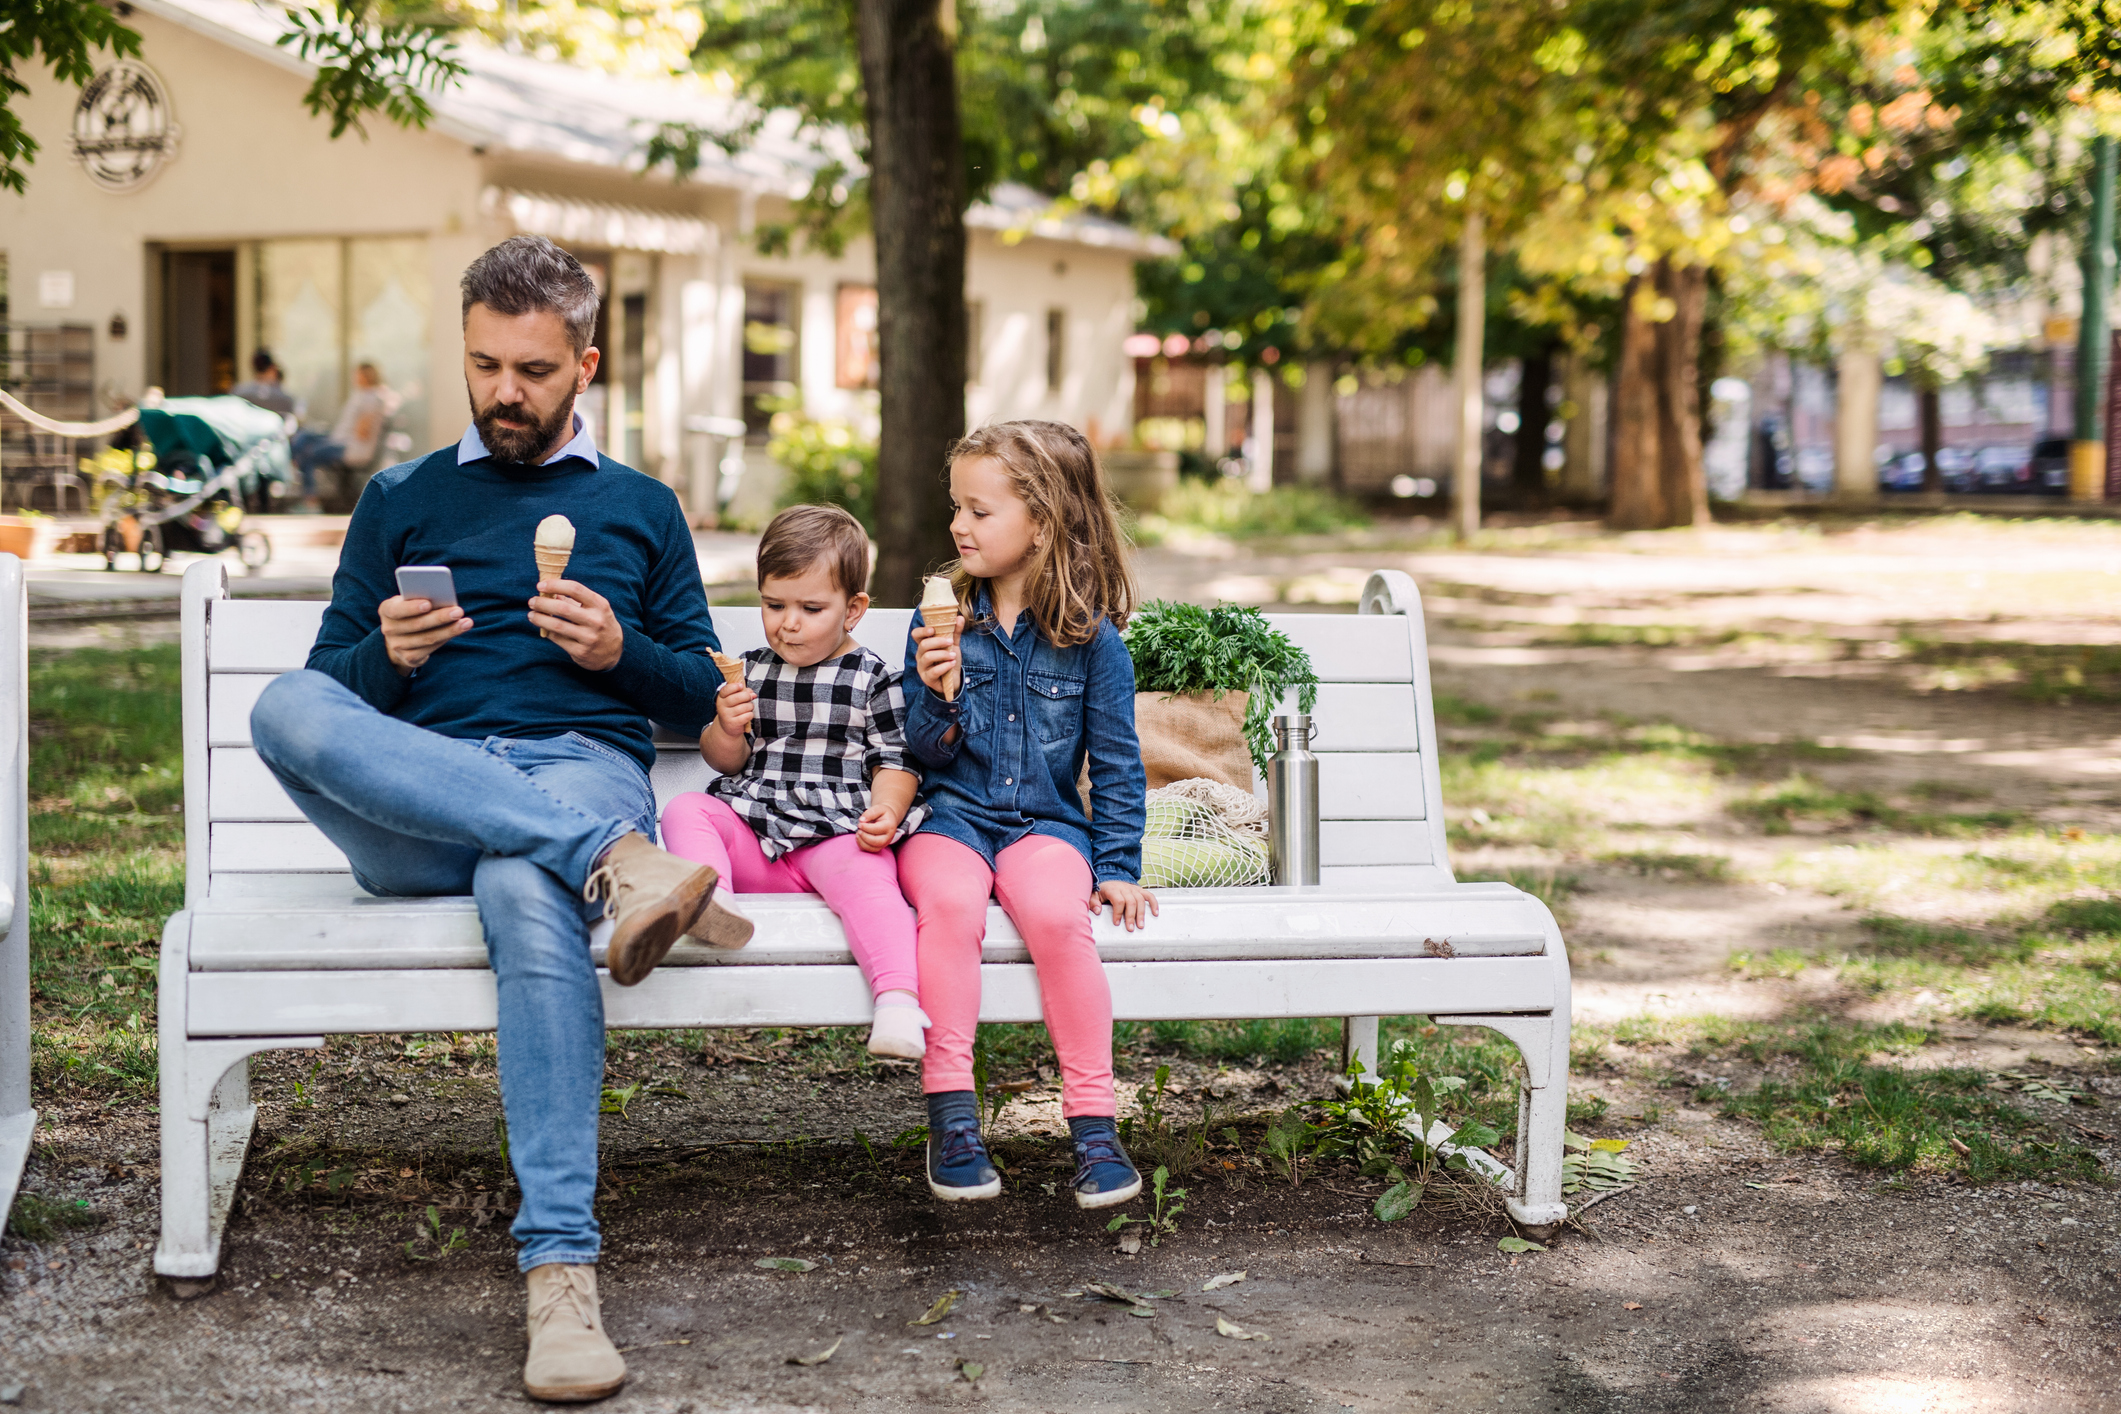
(267, 387)
(354, 437)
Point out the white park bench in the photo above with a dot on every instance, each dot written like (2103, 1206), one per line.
(276, 947)
(18, 1121)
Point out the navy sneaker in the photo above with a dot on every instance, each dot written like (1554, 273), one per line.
(1104, 1175)
(958, 1167)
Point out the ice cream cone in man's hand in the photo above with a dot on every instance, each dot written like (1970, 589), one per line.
(553, 548)
(939, 611)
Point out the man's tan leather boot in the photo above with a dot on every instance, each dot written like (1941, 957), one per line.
(571, 1360)
(657, 898)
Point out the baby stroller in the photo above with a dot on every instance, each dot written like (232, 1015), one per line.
(210, 457)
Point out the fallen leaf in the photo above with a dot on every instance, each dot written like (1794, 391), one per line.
(1226, 1279)
(940, 1309)
(1631, 1305)
(971, 1370)
(1130, 1242)
(1756, 1185)
(1159, 1295)
(821, 1357)
(1225, 1326)
(1519, 1244)
(1958, 1148)
(784, 1264)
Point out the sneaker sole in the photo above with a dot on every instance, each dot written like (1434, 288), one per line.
(991, 1189)
(1110, 1199)
(632, 956)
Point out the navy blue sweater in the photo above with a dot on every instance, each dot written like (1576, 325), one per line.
(500, 679)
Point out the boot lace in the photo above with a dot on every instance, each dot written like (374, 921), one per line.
(571, 1290)
(603, 884)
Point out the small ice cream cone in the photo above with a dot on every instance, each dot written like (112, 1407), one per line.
(732, 668)
(939, 610)
(553, 547)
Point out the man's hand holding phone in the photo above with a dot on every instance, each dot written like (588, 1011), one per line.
(414, 623)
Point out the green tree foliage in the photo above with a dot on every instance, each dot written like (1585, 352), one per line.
(368, 61)
(62, 36)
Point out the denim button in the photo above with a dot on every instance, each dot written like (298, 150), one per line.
(1009, 780)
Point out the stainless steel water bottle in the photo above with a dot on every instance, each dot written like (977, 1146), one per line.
(1292, 802)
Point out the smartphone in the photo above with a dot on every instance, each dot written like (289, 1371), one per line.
(434, 583)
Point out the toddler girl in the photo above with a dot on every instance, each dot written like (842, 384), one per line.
(815, 784)
(1002, 722)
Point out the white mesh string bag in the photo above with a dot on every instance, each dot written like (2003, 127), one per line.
(1204, 834)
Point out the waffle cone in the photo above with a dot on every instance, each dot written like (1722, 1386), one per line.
(551, 565)
(946, 620)
(732, 668)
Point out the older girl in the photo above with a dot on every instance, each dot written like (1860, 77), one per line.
(1043, 587)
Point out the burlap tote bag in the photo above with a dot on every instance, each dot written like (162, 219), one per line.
(1189, 736)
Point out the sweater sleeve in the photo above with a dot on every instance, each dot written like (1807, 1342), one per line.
(663, 667)
(1118, 786)
(350, 646)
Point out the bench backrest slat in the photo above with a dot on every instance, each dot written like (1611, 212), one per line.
(1380, 822)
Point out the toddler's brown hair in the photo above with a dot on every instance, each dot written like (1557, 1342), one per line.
(802, 536)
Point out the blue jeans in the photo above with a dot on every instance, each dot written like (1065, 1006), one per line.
(310, 450)
(519, 826)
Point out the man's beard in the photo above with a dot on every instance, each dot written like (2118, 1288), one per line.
(520, 444)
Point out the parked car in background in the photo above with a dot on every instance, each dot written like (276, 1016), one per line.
(2004, 471)
(1903, 472)
(2051, 466)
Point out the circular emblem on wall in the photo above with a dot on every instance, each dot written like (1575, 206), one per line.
(123, 130)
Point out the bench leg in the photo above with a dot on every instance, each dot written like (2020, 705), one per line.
(1542, 1112)
(1358, 1042)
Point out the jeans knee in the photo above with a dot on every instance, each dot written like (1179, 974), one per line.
(534, 923)
(289, 724)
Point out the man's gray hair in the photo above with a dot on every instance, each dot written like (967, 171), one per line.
(529, 274)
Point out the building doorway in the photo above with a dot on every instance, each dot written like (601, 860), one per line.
(198, 322)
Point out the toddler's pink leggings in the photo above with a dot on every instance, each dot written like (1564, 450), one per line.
(862, 888)
(1044, 886)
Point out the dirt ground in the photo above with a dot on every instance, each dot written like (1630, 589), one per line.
(1730, 1277)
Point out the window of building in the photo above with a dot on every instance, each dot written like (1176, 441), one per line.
(324, 307)
(772, 354)
(855, 363)
(1056, 348)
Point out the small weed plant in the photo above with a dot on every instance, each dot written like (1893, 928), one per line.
(1167, 1204)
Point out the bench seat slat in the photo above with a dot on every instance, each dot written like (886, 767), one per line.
(320, 1003)
(354, 931)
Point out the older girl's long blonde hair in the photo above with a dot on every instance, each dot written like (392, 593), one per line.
(1080, 575)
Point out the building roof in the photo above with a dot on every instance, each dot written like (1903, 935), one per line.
(523, 104)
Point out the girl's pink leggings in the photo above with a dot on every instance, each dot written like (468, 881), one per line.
(862, 888)
(1044, 886)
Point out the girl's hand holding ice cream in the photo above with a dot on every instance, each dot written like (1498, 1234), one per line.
(734, 708)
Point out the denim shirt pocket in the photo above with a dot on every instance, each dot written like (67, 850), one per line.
(1056, 707)
(975, 695)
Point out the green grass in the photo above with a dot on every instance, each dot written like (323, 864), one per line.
(1226, 507)
(106, 830)
(1708, 868)
(2042, 672)
(1778, 807)
(1835, 1086)
(36, 1218)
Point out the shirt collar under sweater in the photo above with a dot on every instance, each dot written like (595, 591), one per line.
(472, 447)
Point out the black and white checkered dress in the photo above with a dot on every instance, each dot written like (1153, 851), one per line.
(820, 733)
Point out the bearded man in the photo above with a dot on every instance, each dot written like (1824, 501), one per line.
(500, 747)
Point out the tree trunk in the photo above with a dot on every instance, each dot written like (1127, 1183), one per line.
(1529, 476)
(1465, 374)
(1680, 473)
(1931, 417)
(1637, 491)
(917, 195)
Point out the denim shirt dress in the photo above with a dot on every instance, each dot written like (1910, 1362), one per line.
(1028, 714)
